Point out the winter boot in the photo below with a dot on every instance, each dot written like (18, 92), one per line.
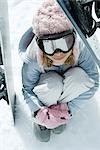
(59, 129)
(42, 133)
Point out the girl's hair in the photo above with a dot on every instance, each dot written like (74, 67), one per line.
(48, 62)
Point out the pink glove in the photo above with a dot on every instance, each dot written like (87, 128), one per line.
(53, 116)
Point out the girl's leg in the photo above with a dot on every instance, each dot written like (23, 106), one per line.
(75, 83)
(49, 88)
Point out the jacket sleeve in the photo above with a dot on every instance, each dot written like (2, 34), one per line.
(30, 75)
(87, 63)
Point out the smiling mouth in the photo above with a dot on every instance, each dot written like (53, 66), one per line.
(58, 57)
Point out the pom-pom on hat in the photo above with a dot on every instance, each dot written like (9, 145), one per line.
(49, 19)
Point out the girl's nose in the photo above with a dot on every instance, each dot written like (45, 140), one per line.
(57, 50)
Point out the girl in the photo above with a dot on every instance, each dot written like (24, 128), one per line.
(59, 75)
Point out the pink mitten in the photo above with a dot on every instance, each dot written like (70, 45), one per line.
(53, 116)
(60, 111)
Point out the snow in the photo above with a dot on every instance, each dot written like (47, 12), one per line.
(82, 132)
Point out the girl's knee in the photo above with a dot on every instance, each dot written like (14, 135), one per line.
(49, 88)
(77, 74)
(50, 77)
(76, 82)
(78, 78)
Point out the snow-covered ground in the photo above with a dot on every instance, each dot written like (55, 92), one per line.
(82, 133)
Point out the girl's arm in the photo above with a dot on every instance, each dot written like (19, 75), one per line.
(30, 75)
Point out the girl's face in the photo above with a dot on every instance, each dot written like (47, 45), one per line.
(60, 56)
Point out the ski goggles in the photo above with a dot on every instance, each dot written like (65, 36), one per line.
(61, 42)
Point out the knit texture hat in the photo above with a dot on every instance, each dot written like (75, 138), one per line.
(50, 19)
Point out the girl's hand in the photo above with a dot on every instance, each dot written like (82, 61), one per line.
(53, 116)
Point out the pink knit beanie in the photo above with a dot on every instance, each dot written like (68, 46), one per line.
(50, 19)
